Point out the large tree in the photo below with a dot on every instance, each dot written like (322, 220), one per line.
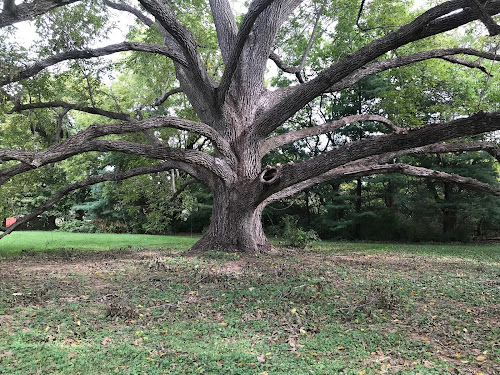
(238, 114)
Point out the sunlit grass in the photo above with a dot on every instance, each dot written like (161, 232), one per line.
(38, 241)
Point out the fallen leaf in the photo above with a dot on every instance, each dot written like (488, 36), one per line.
(6, 354)
(481, 358)
(106, 341)
(137, 341)
(223, 324)
(72, 355)
(262, 358)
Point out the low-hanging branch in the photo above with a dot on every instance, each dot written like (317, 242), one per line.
(364, 169)
(292, 136)
(85, 141)
(116, 176)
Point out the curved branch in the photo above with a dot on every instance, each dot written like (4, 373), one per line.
(69, 106)
(281, 64)
(255, 9)
(400, 61)
(481, 122)
(283, 139)
(196, 158)
(127, 8)
(491, 148)
(90, 53)
(159, 101)
(443, 17)
(363, 170)
(92, 181)
(27, 10)
(82, 142)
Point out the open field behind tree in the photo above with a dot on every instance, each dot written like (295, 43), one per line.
(354, 308)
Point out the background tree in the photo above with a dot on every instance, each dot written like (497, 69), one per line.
(232, 110)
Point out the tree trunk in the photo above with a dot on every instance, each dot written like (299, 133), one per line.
(236, 224)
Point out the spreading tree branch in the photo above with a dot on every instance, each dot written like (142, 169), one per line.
(27, 10)
(90, 53)
(70, 106)
(292, 136)
(443, 17)
(479, 123)
(85, 141)
(446, 54)
(363, 170)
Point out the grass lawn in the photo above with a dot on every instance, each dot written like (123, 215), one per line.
(15, 242)
(338, 308)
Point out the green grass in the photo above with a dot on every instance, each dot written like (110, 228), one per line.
(348, 308)
(40, 241)
(469, 251)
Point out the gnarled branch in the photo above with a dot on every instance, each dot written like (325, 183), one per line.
(481, 122)
(436, 20)
(85, 141)
(446, 54)
(363, 170)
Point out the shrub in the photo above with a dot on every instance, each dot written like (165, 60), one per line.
(77, 226)
(296, 236)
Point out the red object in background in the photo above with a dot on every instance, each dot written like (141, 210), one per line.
(10, 220)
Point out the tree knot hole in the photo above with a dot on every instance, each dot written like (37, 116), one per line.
(269, 175)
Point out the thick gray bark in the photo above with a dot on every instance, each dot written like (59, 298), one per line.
(236, 223)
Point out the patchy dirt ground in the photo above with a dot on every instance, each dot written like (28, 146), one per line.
(378, 313)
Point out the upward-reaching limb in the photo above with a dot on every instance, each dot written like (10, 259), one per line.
(443, 17)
